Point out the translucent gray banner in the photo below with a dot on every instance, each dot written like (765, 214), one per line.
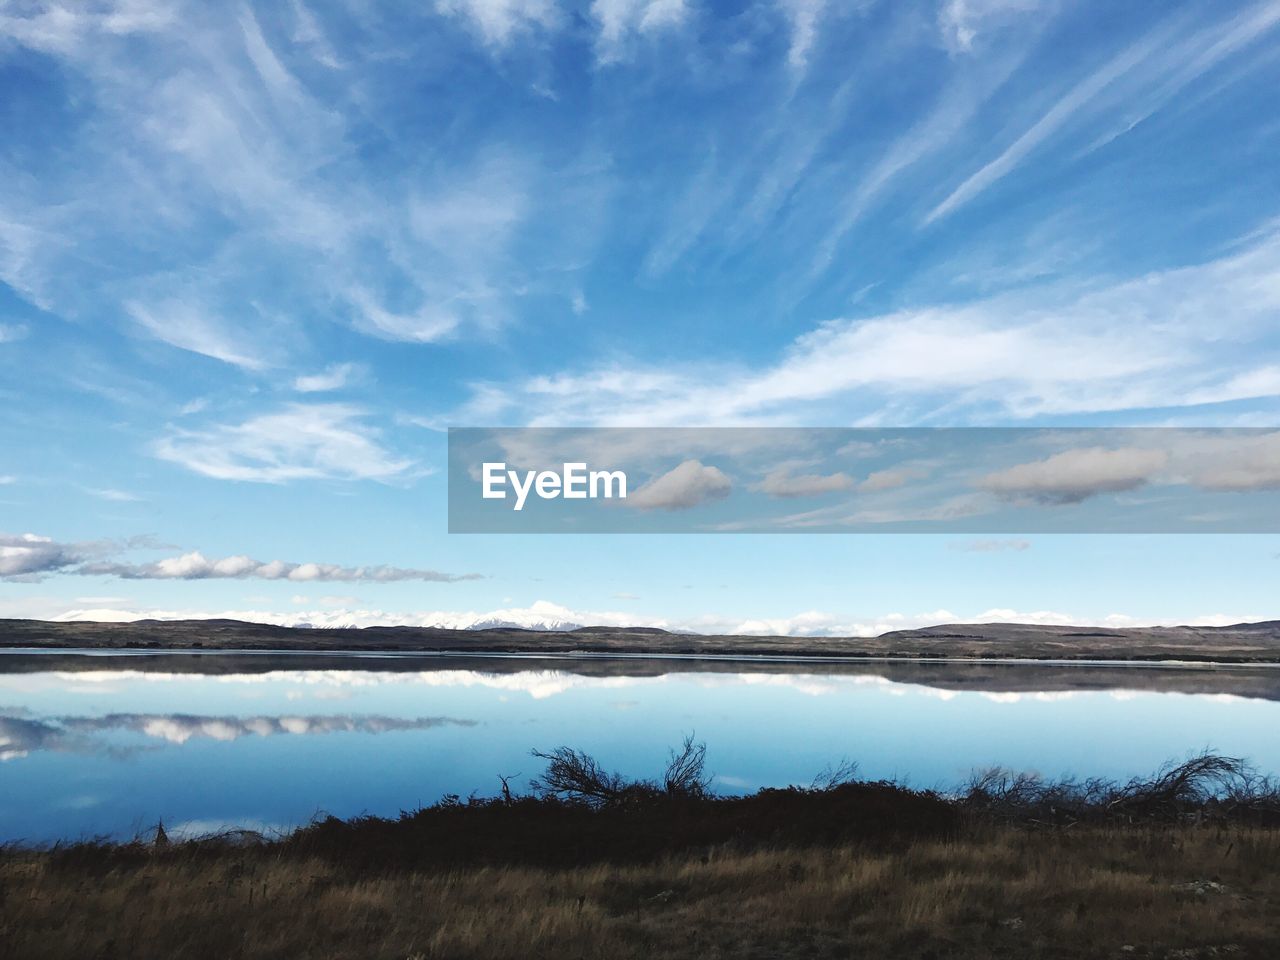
(820, 480)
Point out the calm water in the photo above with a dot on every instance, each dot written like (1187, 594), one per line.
(94, 745)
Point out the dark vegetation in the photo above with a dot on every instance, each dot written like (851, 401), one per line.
(578, 812)
(1177, 865)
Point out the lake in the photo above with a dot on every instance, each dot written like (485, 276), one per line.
(94, 744)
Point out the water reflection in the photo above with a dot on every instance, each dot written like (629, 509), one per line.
(18, 736)
(108, 745)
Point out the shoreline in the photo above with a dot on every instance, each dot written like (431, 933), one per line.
(644, 656)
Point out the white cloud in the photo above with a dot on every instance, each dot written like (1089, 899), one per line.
(1076, 475)
(62, 29)
(27, 556)
(195, 566)
(200, 123)
(992, 546)
(1232, 463)
(620, 21)
(890, 479)
(498, 21)
(783, 483)
(21, 264)
(681, 488)
(458, 236)
(319, 441)
(1155, 69)
(960, 21)
(1169, 338)
(1042, 129)
(188, 326)
(803, 16)
(308, 33)
(333, 377)
(180, 727)
(427, 324)
(11, 332)
(116, 496)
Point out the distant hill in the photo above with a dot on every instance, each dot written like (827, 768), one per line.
(1240, 643)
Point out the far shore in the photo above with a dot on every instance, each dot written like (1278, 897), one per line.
(1252, 643)
(1241, 662)
(813, 660)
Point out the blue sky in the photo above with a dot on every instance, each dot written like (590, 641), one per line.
(254, 259)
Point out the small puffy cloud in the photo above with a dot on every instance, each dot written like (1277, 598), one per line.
(333, 377)
(27, 557)
(195, 566)
(9, 332)
(1076, 475)
(782, 483)
(302, 441)
(992, 546)
(498, 21)
(685, 486)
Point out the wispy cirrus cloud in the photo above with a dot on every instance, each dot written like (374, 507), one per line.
(301, 441)
(186, 325)
(408, 256)
(622, 23)
(1154, 69)
(961, 22)
(1167, 339)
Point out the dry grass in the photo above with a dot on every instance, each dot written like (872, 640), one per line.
(1178, 865)
(996, 891)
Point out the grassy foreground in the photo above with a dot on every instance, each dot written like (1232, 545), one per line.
(1000, 891)
(1181, 865)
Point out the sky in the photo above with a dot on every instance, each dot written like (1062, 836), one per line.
(255, 259)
